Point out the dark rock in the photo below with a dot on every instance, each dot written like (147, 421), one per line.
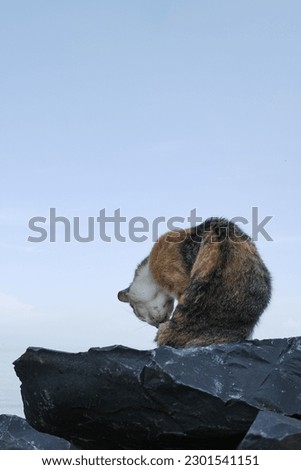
(271, 431)
(17, 434)
(198, 398)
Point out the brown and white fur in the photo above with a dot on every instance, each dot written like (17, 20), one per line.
(215, 273)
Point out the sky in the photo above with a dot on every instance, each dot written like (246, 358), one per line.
(156, 108)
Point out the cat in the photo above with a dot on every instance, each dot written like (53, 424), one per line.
(218, 278)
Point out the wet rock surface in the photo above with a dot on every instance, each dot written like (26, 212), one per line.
(197, 398)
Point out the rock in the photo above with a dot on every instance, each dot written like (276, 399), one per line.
(197, 398)
(17, 434)
(271, 431)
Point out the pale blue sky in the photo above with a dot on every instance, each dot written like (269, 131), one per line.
(155, 107)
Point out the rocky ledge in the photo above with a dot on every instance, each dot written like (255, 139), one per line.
(216, 397)
(16, 434)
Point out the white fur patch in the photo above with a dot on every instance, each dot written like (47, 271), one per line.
(150, 303)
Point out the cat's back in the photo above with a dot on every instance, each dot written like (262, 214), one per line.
(217, 251)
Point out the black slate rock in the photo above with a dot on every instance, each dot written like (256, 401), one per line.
(17, 434)
(271, 431)
(196, 398)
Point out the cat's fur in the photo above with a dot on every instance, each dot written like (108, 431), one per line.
(215, 273)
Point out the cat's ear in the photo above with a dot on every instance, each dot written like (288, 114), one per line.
(123, 295)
